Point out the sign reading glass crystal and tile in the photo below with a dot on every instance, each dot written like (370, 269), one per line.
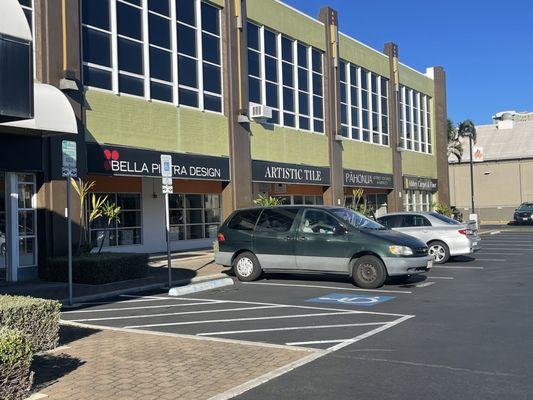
(125, 161)
(365, 179)
(420, 183)
(267, 171)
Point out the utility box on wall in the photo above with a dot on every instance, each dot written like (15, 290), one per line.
(16, 79)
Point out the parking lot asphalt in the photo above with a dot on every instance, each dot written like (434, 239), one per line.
(463, 331)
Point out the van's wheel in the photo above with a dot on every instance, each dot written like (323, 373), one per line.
(369, 272)
(440, 251)
(246, 267)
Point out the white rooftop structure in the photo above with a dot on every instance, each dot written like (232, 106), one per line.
(509, 137)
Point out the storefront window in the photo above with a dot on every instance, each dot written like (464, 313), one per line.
(128, 231)
(417, 200)
(3, 236)
(376, 202)
(301, 200)
(194, 216)
(27, 218)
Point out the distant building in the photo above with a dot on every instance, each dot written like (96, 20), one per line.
(504, 178)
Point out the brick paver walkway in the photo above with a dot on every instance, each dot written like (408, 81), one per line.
(107, 364)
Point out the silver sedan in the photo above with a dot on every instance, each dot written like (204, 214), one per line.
(444, 236)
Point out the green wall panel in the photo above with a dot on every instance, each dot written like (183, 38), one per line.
(416, 80)
(129, 121)
(284, 19)
(366, 157)
(419, 164)
(289, 145)
(359, 54)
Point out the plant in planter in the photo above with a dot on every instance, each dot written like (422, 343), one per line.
(360, 205)
(266, 201)
(112, 212)
(15, 362)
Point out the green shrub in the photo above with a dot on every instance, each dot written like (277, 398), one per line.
(15, 361)
(443, 209)
(37, 319)
(96, 269)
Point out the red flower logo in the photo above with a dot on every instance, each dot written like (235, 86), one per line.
(110, 155)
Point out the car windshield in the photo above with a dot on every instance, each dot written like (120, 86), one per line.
(356, 219)
(526, 207)
(444, 218)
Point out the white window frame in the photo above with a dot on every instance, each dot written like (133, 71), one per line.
(423, 127)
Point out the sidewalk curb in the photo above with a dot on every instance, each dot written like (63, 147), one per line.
(137, 289)
(200, 286)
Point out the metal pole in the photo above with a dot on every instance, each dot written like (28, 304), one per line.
(472, 175)
(167, 223)
(69, 241)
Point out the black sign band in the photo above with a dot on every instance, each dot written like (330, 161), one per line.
(125, 161)
(268, 171)
(367, 179)
(420, 183)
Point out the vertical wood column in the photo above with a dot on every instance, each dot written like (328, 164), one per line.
(395, 197)
(334, 194)
(238, 192)
(440, 116)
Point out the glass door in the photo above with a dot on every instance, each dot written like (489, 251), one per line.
(3, 232)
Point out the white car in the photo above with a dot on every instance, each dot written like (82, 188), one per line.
(444, 236)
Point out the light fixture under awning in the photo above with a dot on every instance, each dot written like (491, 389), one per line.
(52, 112)
(13, 21)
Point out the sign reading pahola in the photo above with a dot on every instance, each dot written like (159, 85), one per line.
(125, 161)
(365, 179)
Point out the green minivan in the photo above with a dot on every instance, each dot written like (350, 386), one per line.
(317, 239)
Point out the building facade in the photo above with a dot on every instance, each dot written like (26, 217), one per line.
(249, 97)
(502, 180)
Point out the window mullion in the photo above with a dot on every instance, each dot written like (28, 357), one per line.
(348, 86)
(360, 102)
(380, 125)
(279, 63)
(174, 47)
(114, 45)
(310, 86)
(146, 49)
(296, 86)
(200, 64)
(262, 58)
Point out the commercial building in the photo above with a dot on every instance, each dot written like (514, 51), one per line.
(502, 180)
(249, 97)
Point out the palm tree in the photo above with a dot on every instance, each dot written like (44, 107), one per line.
(455, 146)
(467, 129)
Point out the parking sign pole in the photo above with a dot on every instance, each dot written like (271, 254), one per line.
(169, 260)
(69, 241)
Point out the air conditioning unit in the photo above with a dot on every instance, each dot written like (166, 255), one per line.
(259, 112)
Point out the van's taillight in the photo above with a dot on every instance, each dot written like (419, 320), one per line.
(220, 237)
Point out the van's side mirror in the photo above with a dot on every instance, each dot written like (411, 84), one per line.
(340, 230)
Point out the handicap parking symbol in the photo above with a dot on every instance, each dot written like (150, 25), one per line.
(355, 300)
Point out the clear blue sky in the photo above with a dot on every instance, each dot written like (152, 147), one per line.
(485, 46)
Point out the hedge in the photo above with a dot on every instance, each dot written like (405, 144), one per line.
(15, 361)
(37, 319)
(96, 269)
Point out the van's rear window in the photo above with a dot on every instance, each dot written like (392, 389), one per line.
(244, 220)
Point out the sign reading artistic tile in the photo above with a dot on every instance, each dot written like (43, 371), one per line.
(125, 161)
(365, 179)
(420, 183)
(267, 171)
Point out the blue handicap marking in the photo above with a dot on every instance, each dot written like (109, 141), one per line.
(355, 300)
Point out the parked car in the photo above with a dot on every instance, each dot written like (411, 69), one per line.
(523, 214)
(317, 239)
(444, 236)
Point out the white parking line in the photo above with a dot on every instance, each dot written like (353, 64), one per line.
(499, 254)
(510, 248)
(213, 321)
(174, 314)
(140, 308)
(424, 284)
(315, 342)
(164, 298)
(289, 328)
(457, 267)
(491, 259)
(326, 287)
(442, 277)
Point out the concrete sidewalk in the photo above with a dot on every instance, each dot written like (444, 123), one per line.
(186, 268)
(96, 363)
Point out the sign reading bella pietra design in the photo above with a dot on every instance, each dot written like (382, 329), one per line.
(125, 161)
(268, 171)
(420, 183)
(367, 179)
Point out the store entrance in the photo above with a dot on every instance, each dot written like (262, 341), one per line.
(3, 226)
